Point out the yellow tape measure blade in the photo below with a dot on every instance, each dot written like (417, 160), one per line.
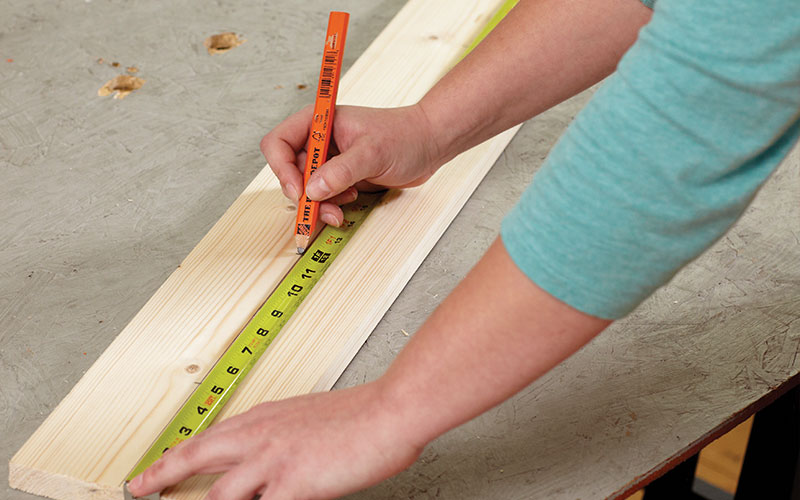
(210, 396)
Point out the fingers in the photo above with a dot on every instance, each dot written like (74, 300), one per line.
(329, 211)
(331, 214)
(347, 196)
(342, 171)
(242, 483)
(280, 148)
(195, 456)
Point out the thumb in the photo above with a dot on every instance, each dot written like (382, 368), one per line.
(342, 171)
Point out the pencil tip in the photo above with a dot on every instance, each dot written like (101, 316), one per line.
(301, 250)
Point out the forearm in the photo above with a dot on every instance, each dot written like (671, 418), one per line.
(491, 337)
(542, 53)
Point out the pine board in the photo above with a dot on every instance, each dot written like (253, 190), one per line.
(93, 438)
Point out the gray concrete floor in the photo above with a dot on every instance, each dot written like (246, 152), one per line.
(102, 198)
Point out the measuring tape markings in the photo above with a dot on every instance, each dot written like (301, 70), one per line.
(210, 396)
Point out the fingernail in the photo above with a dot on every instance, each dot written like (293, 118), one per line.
(329, 219)
(317, 188)
(292, 192)
(136, 482)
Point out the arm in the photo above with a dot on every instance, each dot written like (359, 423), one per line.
(542, 53)
(492, 336)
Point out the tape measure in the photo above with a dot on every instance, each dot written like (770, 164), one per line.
(210, 396)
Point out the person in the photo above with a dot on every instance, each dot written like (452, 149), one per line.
(703, 103)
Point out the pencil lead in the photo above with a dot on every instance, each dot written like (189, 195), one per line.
(301, 250)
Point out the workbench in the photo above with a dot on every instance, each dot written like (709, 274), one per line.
(102, 198)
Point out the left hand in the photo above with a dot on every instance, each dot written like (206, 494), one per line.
(317, 446)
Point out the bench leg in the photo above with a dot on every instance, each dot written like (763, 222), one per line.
(675, 484)
(770, 468)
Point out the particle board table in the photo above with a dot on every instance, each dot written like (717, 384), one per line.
(101, 199)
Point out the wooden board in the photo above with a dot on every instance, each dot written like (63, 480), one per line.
(94, 437)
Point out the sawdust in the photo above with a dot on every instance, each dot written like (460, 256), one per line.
(122, 85)
(115, 64)
(222, 42)
(132, 69)
(301, 86)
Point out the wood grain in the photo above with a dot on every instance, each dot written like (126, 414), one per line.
(94, 437)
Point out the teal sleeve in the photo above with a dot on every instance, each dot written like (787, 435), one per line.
(666, 155)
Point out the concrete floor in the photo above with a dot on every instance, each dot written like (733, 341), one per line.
(102, 198)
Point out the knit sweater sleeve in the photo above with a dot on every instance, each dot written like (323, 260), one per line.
(666, 155)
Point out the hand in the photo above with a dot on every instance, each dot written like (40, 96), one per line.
(373, 148)
(317, 446)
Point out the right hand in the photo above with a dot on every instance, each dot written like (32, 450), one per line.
(372, 148)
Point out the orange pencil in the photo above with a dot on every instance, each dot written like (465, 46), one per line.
(319, 137)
